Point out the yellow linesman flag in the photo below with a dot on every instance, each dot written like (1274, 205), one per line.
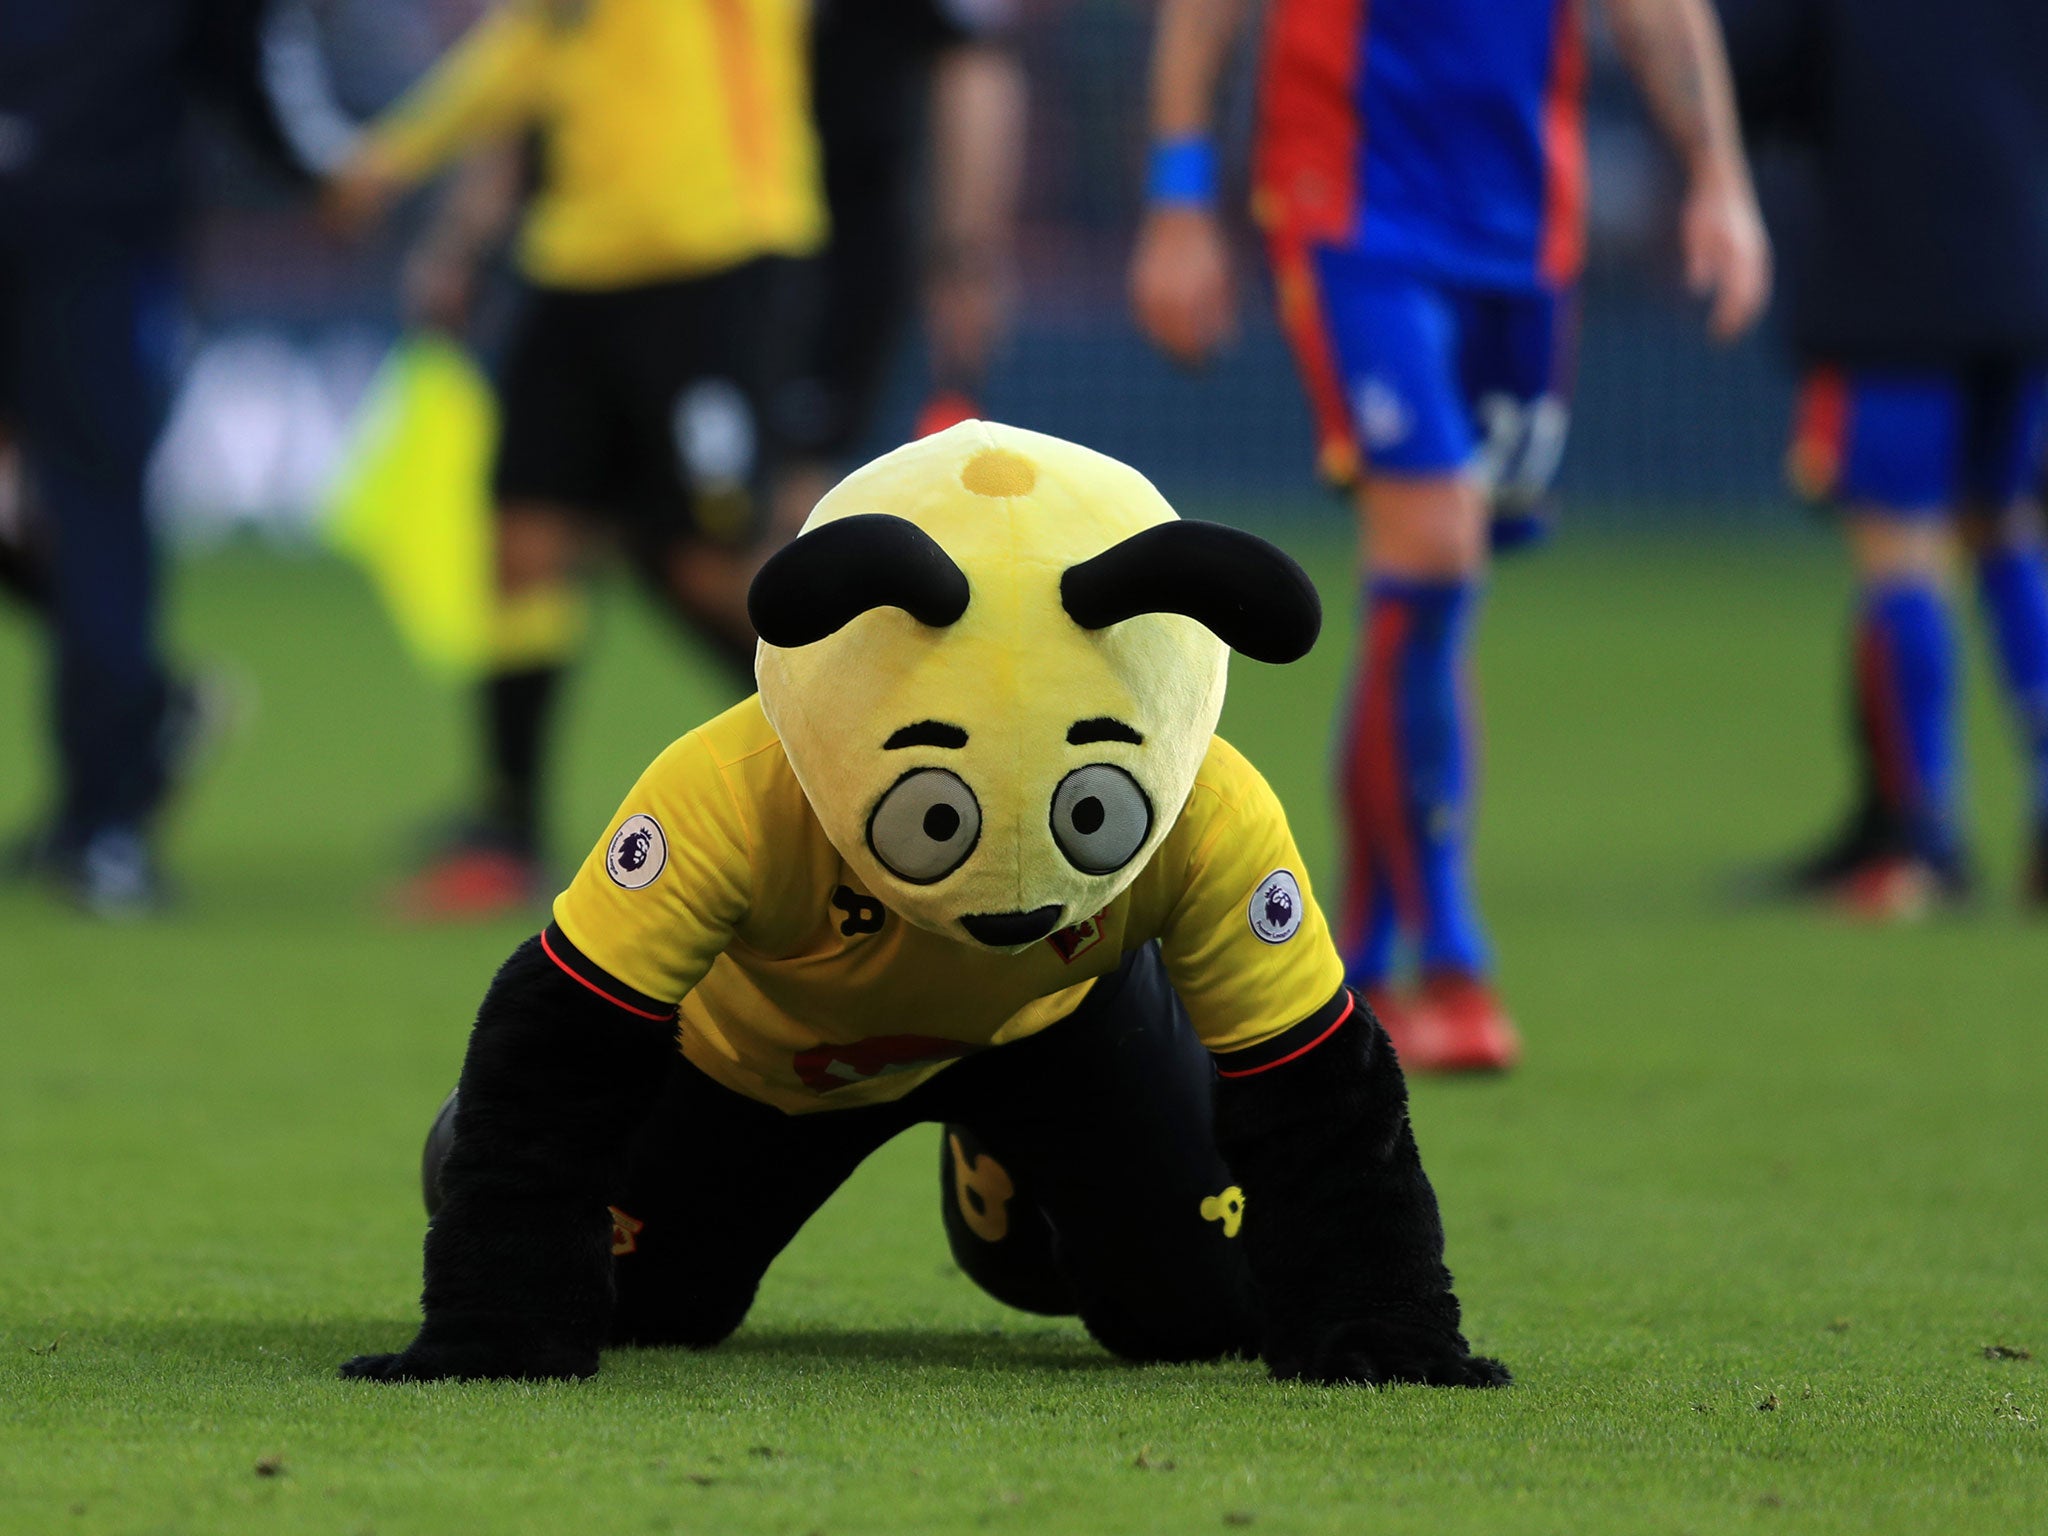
(411, 502)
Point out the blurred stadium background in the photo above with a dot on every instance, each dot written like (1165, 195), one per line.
(1757, 1159)
(1750, 1221)
(287, 327)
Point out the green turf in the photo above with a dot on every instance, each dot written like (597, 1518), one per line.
(1745, 1224)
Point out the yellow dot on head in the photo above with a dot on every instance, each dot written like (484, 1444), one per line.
(999, 472)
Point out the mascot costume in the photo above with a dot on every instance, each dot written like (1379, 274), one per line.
(973, 855)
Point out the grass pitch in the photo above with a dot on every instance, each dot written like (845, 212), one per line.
(1746, 1224)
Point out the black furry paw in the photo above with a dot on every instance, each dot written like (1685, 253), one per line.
(376, 1368)
(475, 1361)
(1376, 1356)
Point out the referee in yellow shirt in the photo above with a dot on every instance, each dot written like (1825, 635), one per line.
(678, 173)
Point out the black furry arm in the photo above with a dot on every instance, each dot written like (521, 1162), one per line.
(1340, 1223)
(518, 1258)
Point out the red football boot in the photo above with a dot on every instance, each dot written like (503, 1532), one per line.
(1888, 890)
(1899, 888)
(947, 408)
(472, 879)
(1457, 1024)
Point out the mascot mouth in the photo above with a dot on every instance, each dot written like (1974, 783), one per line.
(1007, 930)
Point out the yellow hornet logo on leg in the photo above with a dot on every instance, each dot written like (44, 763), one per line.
(983, 1188)
(626, 1232)
(1227, 1208)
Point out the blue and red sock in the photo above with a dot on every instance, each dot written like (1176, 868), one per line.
(1406, 773)
(1905, 676)
(2013, 585)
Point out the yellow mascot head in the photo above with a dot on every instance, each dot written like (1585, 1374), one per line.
(996, 660)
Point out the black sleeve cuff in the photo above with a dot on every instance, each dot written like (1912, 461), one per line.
(1290, 1043)
(582, 969)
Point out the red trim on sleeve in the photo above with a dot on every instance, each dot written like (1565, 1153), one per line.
(1350, 1003)
(583, 981)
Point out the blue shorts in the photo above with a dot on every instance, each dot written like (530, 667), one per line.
(1920, 443)
(1412, 376)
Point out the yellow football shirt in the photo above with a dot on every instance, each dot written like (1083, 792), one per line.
(715, 892)
(676, 134)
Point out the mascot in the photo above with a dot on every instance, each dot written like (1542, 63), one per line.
(972, 856)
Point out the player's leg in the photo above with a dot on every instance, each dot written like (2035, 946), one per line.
(2009, 423)
(1897, 480)
(1408, 758)
(872, 102)
(851, 300)
(2012, 587)
(1101, 1130)
(198, 707)
(716, 1188)
(701, 372)
(1905, 669)
(1511, 364)
(1870, 833)
(93, 331)
(847, 305)
(1365, 919)
(536, 632)
(922, 116)
(979, 96)
(556, 444)
(1412, 756)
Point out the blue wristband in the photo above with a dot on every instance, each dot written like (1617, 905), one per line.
(1182, 171)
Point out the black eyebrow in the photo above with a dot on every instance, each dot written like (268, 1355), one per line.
(1101, 728)
(926, 733)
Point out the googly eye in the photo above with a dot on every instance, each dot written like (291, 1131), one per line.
(925, 826)
(1100, 818)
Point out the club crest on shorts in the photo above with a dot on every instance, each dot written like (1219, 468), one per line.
(1275, 910)
(638, 853)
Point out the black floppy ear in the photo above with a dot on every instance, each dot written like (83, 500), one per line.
(1249, 594)
(814, 585)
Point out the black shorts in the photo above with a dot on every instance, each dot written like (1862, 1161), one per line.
(648, 404)
(1078, 1175)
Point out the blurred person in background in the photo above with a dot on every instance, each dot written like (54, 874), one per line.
(678, 176)
(919, 110)
(94, 101)
(1918, 298)
(1419, 176)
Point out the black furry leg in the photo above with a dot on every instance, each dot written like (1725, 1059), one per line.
(518, 1257)
(1340, 1222)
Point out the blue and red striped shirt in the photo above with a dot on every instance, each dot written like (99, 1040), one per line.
(1443, 135)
